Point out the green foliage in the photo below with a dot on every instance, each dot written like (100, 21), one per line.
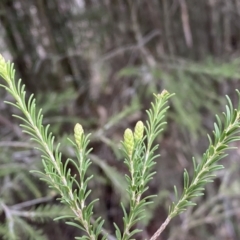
(139, 156)
(57, 175)
(18, 221)
(224, 134)
(187, 79)
(17, 184)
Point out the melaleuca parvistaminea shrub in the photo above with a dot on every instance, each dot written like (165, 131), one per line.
(139, 152)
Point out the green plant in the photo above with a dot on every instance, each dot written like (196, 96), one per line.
(25, 204)
(139, 151)
(184, 77)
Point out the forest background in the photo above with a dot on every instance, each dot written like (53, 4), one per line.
(98, 62)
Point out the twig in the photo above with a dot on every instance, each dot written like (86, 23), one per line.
(160, 230)
(138, 35)
(185, 23)
(16, 144)
(31, 202)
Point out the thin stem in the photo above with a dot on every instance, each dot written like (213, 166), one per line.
(10, 220)
(160, 230)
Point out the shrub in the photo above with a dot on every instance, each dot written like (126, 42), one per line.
(139, 152)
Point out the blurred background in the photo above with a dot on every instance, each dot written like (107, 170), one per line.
(98, 62)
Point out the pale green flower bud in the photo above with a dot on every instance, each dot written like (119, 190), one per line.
(129, 141)
(3, 70)
(164, 92)
(138, 131)
(162, 95)
(2, 61)
(78, 132)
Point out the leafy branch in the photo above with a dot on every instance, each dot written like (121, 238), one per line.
(139, 158)
(223, 135)
(57, 174)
